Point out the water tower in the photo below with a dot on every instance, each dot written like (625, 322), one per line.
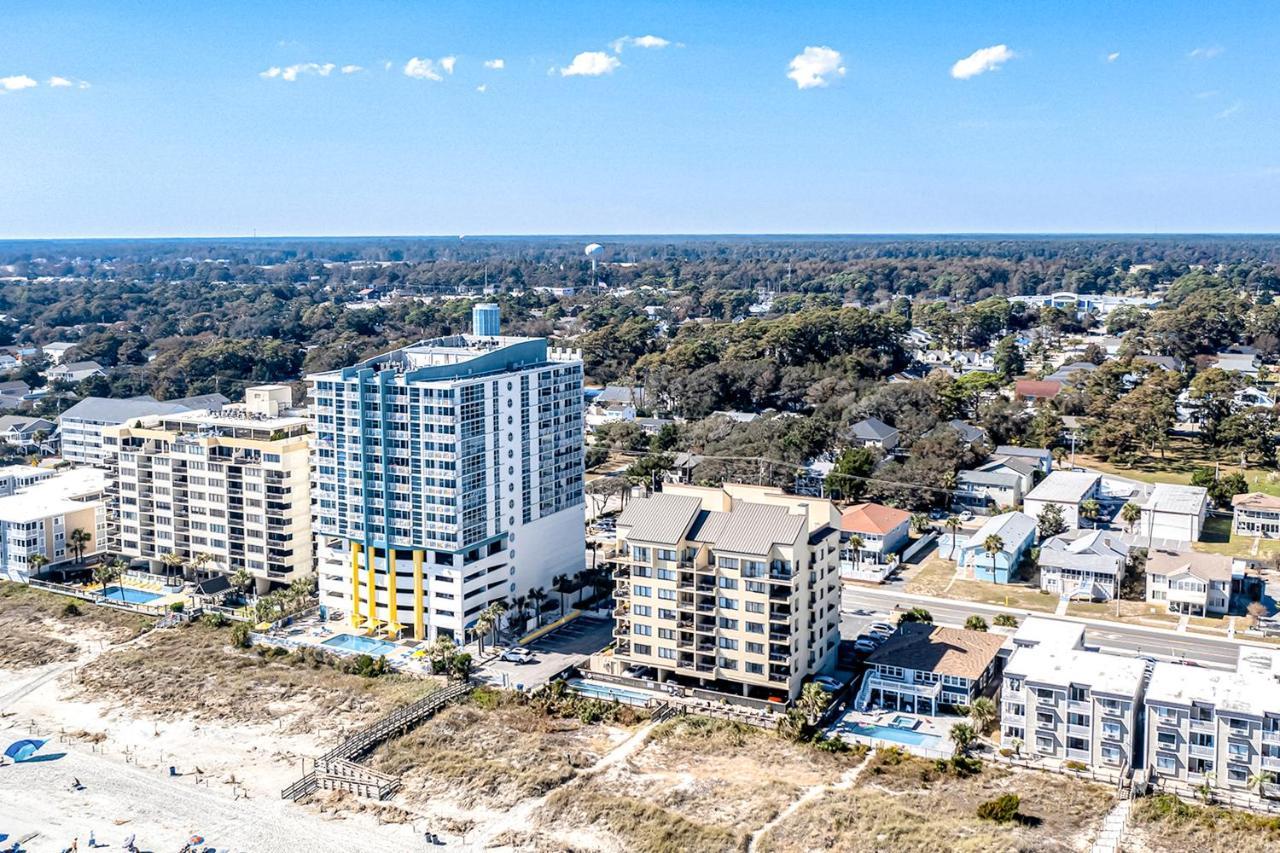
(594, 251)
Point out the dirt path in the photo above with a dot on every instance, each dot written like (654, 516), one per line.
(810, 794)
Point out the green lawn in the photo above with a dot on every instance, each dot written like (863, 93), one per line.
(1180, 460)
(1217, 538)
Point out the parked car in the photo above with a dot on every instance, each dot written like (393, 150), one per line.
(880, 628)
(966, 516)
(829, 684)
(518, 654)
(865, 645)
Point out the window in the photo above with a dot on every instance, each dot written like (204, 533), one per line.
(666, 653)
(755, 627)
(1111, 754)
(727, 562)
(666, 594)
(728, 643)
(1079, 694)
(728, 624)
(728, 583)
(643, 591)
(643, 649)
(727, 603)
(641, 629)
(666, 554)
(1166, 740)
(642, 610)
(1166, 762)
(1111, 730)
(1044, 744)
(1236, 773)
(755, 606)
(755, 668)
(666, 634)
(1077, 719)
(755, 648)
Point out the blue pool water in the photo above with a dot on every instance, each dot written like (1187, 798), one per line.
(894, 733)
(360, 645)
(901, 722)
(131, 595)
(608, 692)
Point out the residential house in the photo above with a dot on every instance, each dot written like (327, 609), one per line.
(1256, 514)
(24, 433)
(1207, 727)
(924, 669)
(1083, 564)
(1174, 513)
(1073, 705)
(873, 432)
(1040, 457)
(1067, 489)
(1014, 532)
(1164, 362)
(12, 393)
(1246, 364)
(1189, 582)
(1035, 390)
(733, 593)
(882, 532)
(612, 404)
(1072, 374)
(736, 417)
(986, 489)
(75, 372)
(682, 465)
(56, 351)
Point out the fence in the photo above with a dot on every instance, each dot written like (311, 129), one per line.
(743, 702)
(1102, 775)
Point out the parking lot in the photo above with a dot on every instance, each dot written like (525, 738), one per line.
(564, 647)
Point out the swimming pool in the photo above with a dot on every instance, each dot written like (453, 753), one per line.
(360, 645)
(131, 595)
(608, 692)
(894, 733)
(901, 722)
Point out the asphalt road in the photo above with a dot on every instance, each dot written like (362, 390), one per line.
(564, 647)
(1120, 639)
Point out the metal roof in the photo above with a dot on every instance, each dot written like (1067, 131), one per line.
(1065, 487)
(661, 519)
(756, 528)
(114, 411)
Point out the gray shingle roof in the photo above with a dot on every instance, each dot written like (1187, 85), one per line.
(1003, 479)
(873, 429)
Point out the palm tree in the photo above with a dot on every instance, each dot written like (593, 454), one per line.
(519, 612)
(855, 545)
(173, 560)
(560, 583)
(537, 595)
(919, 522)
(580, 583)
(200, 560)
(953, 525)
(975, 623)
(1257, 780)
(495, 611)
(37, 562)
(812, 702)
(1131, 513)
(79, 540)
(242, 580)
(1090, 509)
(481, 627)
(302, 588)
(993, 545)
(962, 734)
(1005, 620)
(109, 572)
(982, 712)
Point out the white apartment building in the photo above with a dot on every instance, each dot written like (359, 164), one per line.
(80, 427)
(734, 589)
(1073, 705)
(1174, 513)
(447, 476)
(1208, 727)
(14, 478)
(232, 484)
(41, 516)
(1256, 514)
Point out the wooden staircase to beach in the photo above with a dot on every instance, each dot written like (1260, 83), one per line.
(337, 769)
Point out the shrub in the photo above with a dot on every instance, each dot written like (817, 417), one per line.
(216, 620)
(178, 606)
(1002, 809)
(1076, 765)
(1006, 751)
(240, 635)
(1005, 620)
(975, 623)
(965, 765)
(71, 609)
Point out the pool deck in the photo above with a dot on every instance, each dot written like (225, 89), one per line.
(310, 631)
(939, 727)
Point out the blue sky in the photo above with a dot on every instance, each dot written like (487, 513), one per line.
(179, 131)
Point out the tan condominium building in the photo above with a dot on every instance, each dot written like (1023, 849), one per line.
(54, 519)
(232, 484)
(734, 589)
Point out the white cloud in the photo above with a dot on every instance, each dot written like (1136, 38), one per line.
(60, 82)
(495, 64)
(1206, 52)
(386, 66)
(351, 69)
(814, 66)
(1208, 93)
(981, 61)
(1231, 110)
(649, 42)
(291, 73)
(482, 88)
(16, 82)
(1112, 57)
(591, 63)
(428, 69)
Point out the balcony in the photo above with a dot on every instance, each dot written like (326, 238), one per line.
(1201, 750)
(1271, 762)
(1203, 724)
(1079, 731)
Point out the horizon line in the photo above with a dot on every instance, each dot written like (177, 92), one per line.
(701, 235)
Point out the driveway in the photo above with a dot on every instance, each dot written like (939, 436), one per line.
(553, 653)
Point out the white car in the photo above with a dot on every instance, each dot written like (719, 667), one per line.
(829, 684)
(880, 628)
(518, 654)
(966, 516)
(865, 645)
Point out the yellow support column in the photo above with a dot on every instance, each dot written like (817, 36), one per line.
(393, 618)
(355, 584)
(419, 624)
(371, 589)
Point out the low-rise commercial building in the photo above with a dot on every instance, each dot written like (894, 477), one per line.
(734, 592)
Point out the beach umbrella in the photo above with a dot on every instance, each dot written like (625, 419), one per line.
(196, 839)
(21, 750)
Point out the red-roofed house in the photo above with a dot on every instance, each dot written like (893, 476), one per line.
(1032, 390)
(882, 532)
